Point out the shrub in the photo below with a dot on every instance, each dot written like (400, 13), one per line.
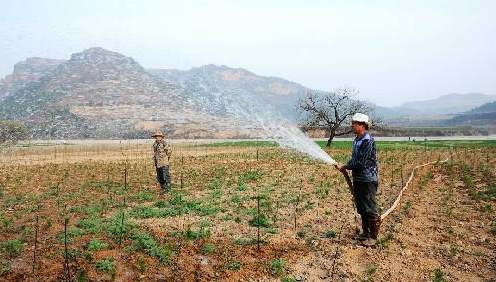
(12, 132)
(438, 275)
(90, 225)
(278, 267)
(12, 248)
(116, 229)
(233, 265)
(330, 234)
(106, 265)
(207, 249)
(96, 245)
(261, 221)
(147, 244)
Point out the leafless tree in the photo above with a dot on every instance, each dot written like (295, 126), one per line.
(332, 110)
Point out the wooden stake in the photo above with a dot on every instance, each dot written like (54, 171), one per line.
(35, 243)
(258, 225)
(67, 272)
(402, 181)
(125, 177)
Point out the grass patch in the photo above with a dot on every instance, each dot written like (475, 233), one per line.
(91, 224)
(406, 208)
(146, 243)
(438, 275)
(371, 269)
(323, 189)
(330, 234)
(260, 220)
(12, 248)
(106, 265)
(243, 241)
(251, 175)
(201, 233)
(96, 245)
(144, 196)
(493, 228)
(241, 144)
(233, 265)
(487, 208)
(487, 195)
(384, 241)
(72, 233)
(208, 249)
(278, 267)
(4, 267)
(288, 279)
(176, 206)
(117, 229)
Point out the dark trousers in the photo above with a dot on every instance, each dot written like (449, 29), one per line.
(163, 177)
(365, 201)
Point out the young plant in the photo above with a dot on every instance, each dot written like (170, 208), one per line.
(96, 245)
(233, 265)
(278, 267)
(106, 265)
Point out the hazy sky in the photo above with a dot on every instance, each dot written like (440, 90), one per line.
(392, 51)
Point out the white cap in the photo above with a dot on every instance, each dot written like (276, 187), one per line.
(359, 117)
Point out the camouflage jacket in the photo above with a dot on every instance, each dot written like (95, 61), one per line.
(162, 151)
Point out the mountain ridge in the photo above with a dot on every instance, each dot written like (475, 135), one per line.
(102, 94)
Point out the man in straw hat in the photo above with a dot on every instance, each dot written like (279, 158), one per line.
(162, 151)
(363, 165)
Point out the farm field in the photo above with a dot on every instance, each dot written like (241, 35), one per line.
(243, 211)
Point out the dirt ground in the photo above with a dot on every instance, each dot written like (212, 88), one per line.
(451, 235)
(206, 230)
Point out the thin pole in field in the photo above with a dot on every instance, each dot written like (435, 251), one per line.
(258, 225)
(67, 272)
(35, 243)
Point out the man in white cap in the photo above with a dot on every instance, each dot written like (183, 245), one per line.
(162, 151)
(363, 165)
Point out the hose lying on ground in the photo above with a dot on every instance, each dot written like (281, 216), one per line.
(397, 201)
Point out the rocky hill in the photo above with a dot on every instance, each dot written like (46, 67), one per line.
(102, 94)
(211, 84)
(26, 72)
(98, 93)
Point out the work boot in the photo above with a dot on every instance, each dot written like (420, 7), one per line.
(163, 188)
(365, 230)
(369, 242)
(374, 224)
(168, 186)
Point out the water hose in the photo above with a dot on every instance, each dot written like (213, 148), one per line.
(352, 191)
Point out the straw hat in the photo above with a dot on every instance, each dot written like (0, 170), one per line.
(157, 134)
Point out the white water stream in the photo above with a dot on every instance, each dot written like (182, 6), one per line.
(275, 126)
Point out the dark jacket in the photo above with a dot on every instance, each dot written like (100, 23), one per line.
(363, 163)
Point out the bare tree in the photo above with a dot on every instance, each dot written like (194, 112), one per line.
(332, 110)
